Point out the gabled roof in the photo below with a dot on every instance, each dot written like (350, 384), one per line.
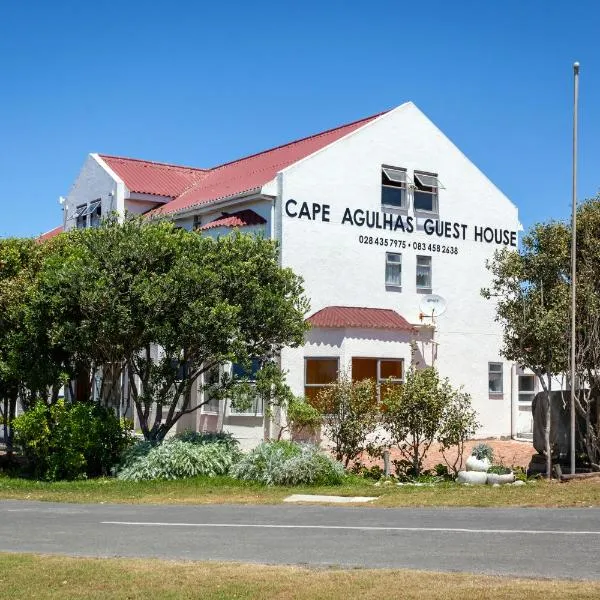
(242, 218)
(254, 171)
(158, 179)
(50, 234)
(191, 187)
(360, 317)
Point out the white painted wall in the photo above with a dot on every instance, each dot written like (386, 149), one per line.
(339, 270)
(93, 182)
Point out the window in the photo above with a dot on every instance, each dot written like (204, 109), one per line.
(81, 216)
(383, 371)
(495, 379)
(197, 222)
(424, 274)
(526, 388)
(425, 195)
(393, 187)
(318, 374)
(212, 379)
(393, 269)
(248, 373)
(94, 212)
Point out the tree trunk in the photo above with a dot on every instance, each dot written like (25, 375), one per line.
(547, 430)
(12, 409)
(5, 419)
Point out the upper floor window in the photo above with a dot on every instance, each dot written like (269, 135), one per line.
(393, 269)
(197, 222)
(425, 194)
(95, 213)
(393, 187)
(424, 274)
(81, 216)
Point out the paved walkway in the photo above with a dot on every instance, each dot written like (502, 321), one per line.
(557, 543)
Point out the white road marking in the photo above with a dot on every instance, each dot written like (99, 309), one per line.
(353, 528)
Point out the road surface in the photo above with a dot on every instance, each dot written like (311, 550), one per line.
(556, 543)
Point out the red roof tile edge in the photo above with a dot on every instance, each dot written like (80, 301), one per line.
(50, 234)
(242, 218)
(360, 317)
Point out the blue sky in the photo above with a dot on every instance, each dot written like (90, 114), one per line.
(200, 83)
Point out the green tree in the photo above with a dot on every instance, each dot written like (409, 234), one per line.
(530, 288)
(32, 365)
(350, 415)
(414, 411)
(165, 305)
(587, 400)
(458, 425)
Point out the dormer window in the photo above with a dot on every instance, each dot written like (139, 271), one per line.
(425, 195)
(393, 187)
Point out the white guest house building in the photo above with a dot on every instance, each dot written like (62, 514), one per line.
(388, 223)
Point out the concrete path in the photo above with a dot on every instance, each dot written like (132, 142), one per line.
(559, 543)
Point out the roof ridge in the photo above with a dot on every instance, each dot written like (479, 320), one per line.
(302, 139)
(154, 162)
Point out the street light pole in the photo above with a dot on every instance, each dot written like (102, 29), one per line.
(574, 259)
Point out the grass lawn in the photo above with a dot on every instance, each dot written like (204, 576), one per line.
(204, 490)
(63, 578)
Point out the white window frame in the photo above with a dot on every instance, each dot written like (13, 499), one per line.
(206, 408)
(256, 410)
(420, 288)
(93, 218)
(380, 380)
(424, 179)
(80, 216)
(320, 385)
(398, 263)
(526, 397)
(496, 372)
(398, 176)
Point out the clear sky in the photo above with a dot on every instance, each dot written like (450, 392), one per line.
(200, 83)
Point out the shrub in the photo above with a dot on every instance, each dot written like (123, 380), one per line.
(499, 470)
(288, 463)
(70, 441)
(350, 414)
(302, 416)
(427, 408)
(177, 458)
(414, 413)
(459, 423)
(481, 451)
(208, 437)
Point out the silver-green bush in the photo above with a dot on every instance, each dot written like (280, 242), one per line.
(176, 459)
(288, 463)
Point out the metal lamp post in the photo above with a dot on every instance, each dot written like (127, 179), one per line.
(574, 258)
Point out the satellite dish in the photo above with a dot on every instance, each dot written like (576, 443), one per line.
(433, 305)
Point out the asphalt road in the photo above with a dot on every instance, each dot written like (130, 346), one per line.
(556, 543)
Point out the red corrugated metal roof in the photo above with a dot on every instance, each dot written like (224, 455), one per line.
(50, 234)
(254, 171)
(190, 186)
(355, 316)
(158, 179)
(242, 218)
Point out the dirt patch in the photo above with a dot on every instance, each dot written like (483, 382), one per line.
(509, 453)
